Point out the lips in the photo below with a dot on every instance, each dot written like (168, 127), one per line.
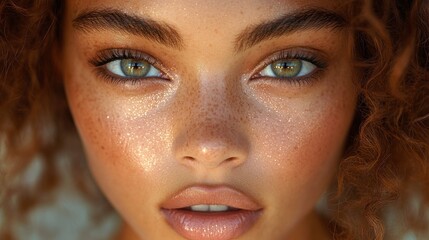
(211, 213)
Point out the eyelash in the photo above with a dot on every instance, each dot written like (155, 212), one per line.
(302, 55)
(109, 55)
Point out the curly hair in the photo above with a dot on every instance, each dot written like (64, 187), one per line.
(25, 89)
(35, 122)
(385, 170)
(387, 162)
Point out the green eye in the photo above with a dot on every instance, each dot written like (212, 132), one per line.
(286, 68)
(133, 68)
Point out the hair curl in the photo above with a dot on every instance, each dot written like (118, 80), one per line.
(386, 168)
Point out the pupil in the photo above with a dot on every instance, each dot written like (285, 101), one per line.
(287, 68)
(135, 68)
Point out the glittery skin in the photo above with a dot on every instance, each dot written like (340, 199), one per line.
(209, 123)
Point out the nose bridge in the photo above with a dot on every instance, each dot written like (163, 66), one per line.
(213, 104)
(213, 99)
(209, 135)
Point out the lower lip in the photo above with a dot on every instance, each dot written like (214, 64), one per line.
(211, 226)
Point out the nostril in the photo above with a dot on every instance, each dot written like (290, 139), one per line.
(189, 158)
(202, 147)
(230, 159)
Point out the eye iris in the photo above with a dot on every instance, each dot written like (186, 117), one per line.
(135, 68)
(287, 68)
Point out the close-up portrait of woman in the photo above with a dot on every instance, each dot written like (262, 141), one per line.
(214, 120)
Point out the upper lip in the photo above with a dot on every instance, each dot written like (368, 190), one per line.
(211, 195)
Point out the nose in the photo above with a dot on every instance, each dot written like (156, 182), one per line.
(211, 144)
(210, 132)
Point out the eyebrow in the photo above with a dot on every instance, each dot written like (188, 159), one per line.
(114, 19)
(166, 34)
(287, 24)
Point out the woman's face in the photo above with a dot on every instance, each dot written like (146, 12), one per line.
(210, 119)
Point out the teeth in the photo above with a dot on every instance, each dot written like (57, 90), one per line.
(200, 208)
(218, 208)
(209, 208)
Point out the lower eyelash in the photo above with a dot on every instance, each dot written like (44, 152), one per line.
(301, 81)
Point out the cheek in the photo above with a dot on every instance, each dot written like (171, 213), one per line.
(300, 145)
(123, 139)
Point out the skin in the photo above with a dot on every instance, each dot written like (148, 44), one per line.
(148, 140)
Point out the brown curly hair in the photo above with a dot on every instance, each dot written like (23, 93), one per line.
(386, 167)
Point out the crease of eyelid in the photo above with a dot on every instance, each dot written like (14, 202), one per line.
(110, 18)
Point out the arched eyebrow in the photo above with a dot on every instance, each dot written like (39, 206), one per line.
(106, 19)
(291, 22)
(166, 34)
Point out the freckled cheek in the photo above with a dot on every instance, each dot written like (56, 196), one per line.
(123, 148)
(320, 147)
(301, 151)
(137, 146)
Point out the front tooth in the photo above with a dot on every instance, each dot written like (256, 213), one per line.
(209, 208)
(200, 208)
(218, 208)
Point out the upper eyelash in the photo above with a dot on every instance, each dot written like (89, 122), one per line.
(110, 55)
(318, 62)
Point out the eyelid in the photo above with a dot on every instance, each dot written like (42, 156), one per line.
(108, 55)
(103, 57)
(313, 56)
